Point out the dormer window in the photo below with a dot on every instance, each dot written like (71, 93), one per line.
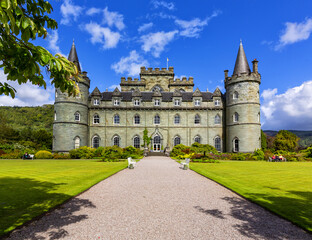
(157, 102)
(177, 102)
(197, 102)
(96, 101)
(136, 102)
(116, 102)
(217, 102)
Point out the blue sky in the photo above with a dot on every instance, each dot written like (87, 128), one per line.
(200, 38)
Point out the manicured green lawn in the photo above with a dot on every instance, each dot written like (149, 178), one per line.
(284, 188)
(30, 187)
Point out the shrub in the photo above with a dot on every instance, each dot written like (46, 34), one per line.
(16, 154)
(179, 149)
(113, 152)
(203, 148)
(60, 156)
(99, 152)
(258, 154)
(82, 152)
(43, 155)
(238, 157)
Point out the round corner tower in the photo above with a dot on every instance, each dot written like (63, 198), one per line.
(70, 127)
(243, 128)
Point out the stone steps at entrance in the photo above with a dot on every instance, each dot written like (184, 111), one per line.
(156, 154)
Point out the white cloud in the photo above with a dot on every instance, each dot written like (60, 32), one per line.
(130, 65)
(193, 27)
(92, 11)
(168, 5)
(53, 41)
(291, 110)
(102, 35)
(69, 11)
(114, 86)
(156, 42)
(295, 32)
(26, 94)
(113, 19)
(145, 26)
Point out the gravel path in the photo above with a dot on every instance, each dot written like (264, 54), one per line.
(158, 200)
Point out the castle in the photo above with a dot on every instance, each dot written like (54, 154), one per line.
(168, 108)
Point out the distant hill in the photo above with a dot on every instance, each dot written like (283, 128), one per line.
(305, 136)
(28, 117)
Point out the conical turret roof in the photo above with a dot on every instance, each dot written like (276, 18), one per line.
(241, 64)
(73, 57)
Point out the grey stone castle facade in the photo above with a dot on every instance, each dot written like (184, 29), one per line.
(168, 108)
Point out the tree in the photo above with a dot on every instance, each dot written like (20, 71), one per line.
(264, 143)
(23, 21)
(285, 140)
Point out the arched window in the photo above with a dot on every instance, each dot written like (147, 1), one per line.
(177, 140)
(77, 142)
(177, 119)
(258, 117)
(96, 142)
(197, 119)
(96, 119)
(217, 119)
(54, 116)
(136, 142)
(56, 93)
(136, 119)
(156, 119)
(235, 117)
(235, 95)
(116, 141)
(116, 119)
(197, 139)
(157, 87)
(77, 116)
(236, 145)
(217, 142)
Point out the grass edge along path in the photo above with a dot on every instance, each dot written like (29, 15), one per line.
(282, 188)
(30, 188)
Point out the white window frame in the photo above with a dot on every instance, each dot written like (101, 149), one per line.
(116, 102)
(96, 101)
(157, 102)
(197, 102)
(199, 118)
(136, 102)
(217, 102)
(54, 116)
(96, 118)
(135, 143)
(98, 144)
(177, 102)
(77, 142)
(235, 149)
(116, 120)
(178, 118)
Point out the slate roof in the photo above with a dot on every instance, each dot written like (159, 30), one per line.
(166, 96)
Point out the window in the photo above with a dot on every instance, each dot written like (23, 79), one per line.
(54, 116)
(176, 102)
(197, 119)
(236, 145)
(217, 119)
(177, 140)
(56, 94)
(77, 116)
(258, 117)
(116, 141)
(136, 142)
(96, 101)
(197, 102)
(96, 142)
(235, 117)
(116, 102)
(116, 119)
(136, 102)
(157, 102)
(197, 139)
(157, 119)
(157, 88)
(235, 95)
(77, 142)
(96, 119)
(217, 142)
(177, 119)
(136, 119)
(217, 102)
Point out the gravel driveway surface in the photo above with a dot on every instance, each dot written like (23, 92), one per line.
(158, 200)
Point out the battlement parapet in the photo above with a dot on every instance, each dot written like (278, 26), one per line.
(253, 76)
(156, 71)
(184, 80)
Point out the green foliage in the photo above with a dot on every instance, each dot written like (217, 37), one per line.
(21, 23)
(264, 143)
(179, 149)
(16, 154)
(286, 140)
(113, 152)
(82, 153)
(99, 151)
(60, 156)
(203, 148)
(43, 155)
(258, 154)
(146, 138)
(238, 157)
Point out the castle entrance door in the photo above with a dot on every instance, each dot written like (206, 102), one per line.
(156, 144)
